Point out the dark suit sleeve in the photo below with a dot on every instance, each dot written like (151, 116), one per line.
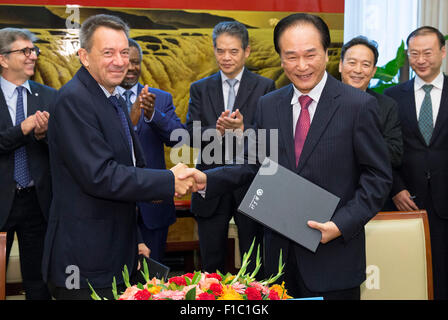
(392, 135)
(375, 173)
(11, 139)
(77, 135)
(165, 120)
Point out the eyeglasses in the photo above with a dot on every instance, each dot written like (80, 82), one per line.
(26, 51)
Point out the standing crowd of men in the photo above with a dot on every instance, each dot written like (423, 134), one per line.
(84, 181)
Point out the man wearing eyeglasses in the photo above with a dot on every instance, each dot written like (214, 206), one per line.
(422, 180)
(25, 185)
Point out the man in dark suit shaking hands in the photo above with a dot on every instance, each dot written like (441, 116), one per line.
(25, 183)
(98, 171)
(329, 134)
(421, 182)
(226, 100)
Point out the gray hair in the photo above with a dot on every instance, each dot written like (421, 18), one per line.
(233, 28)
(133, 43)
(9, 35)
(100, 20)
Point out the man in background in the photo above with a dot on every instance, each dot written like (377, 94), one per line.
(25, 183)
(226, 100)
(357, 66)
(421, 181)
(153, 123)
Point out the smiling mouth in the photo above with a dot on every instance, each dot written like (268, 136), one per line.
(304, 77)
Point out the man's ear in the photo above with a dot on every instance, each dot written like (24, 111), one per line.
(3, 61)
(83, 57)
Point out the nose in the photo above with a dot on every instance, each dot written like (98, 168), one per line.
(119, 60)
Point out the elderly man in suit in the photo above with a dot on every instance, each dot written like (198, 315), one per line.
(357, 67)
(98, 171)
(329, 134)
(224, 101)
(25, 184)
(153, 123)
(421, 181)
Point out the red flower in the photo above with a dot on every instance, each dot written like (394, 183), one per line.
(214, 275)
(206, 296)
(189, 275)
(273, 295)
(142, 295)
(216, 288)
(252, 294)
(180, 281)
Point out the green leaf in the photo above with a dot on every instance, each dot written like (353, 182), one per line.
(114, 289)
(187, 281)
(196, 277)
(125, 274)
(388, 72)
(191, 294)
(140, 286)
(94, 295)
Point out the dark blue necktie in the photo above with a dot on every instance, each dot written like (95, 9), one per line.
(128, 94)
(123, 120)
(21, 170)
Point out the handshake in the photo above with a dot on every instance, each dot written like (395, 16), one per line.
(187, 180)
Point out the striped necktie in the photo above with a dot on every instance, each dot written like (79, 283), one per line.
(123, 120)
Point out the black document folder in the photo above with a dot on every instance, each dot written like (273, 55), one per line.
(284, 201)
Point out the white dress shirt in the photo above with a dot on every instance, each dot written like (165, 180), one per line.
(314, 94)
(10, 93)
(226, 87)
(436, 95)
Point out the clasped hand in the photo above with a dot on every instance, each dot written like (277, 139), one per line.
(187, 180)
(230, 121)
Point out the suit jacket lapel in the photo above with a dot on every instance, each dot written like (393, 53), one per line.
(215, 94)
(33, 100)
(5, 117)
(442, 116)
(284, 112)
(244, 90)
(325, 110)
(101, 100)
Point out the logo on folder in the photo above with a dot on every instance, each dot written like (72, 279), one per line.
(255, 199)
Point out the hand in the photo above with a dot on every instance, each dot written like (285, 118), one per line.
(143, 250)
(146, 102)
(229, 121)
(403, 201)
(41, 121)
(182, 186)
(328, 229)
(28, 124)
(199, 177)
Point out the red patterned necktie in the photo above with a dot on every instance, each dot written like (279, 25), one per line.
(302, 126)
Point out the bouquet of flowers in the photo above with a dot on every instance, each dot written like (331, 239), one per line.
(204, 286)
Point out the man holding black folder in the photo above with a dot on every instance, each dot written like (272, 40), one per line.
(328, 133)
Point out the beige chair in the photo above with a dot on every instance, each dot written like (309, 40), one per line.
(2, 265)
(398, 257)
